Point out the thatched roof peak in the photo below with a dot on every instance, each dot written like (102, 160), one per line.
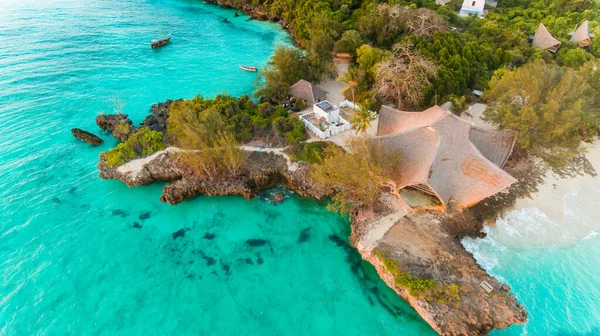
(456, 160)
(582, 35)
(544, 40)
(307, 91)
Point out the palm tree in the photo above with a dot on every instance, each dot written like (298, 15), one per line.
(351, 77)
(362, 118)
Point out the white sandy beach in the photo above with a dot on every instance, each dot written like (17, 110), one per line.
(550, 196)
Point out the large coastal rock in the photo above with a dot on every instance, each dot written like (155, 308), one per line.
(86, 136)
(425, 245)
(157, 119)
(263, 169)
(119, 124)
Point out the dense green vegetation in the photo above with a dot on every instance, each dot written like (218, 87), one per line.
(466, 51)
(142, 143)
(310, 152)
(357, 176)
(552, 108)
(415, 53)
(199, 121)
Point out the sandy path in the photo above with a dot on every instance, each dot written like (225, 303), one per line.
(137, 165)
(377, 230)
(333, 87)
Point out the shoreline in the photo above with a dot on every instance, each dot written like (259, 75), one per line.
(550, 195)
(428, 249)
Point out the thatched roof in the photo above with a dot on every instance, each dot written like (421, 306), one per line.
(582, 35)
(307, 91)
(446, 153)
(544, 40)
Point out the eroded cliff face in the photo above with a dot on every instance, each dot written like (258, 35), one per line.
(424, 246)
(262, 170)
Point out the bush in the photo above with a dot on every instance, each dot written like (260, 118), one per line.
(310, 152)
(417, 287)
(143, 143)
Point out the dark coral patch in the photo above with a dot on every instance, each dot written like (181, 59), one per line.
(179, 233)
(145, 215)
(136, 225)
(119, 212)
(256, 242)
(209, 236)
(304, 235)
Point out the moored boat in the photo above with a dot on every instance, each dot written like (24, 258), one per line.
(160, 42)
(248, 68)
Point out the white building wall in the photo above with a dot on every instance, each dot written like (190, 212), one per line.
(472, 7)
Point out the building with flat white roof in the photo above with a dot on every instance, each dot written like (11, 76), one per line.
(472, 7)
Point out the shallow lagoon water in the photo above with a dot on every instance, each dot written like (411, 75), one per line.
(81, 256)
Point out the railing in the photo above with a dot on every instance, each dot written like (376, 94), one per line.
(331, 131)
(316, 130)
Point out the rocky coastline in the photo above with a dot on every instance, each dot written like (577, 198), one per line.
(424, 244)
(258, 14)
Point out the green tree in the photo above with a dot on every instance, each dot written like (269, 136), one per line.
(362, 118)
(544, 104)
(285, 68)
(351, 40)
(351, 77)
(367, 59)
(356, 176)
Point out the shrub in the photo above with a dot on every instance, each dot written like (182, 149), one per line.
(310, 152)
(142, 143)
(417, 287)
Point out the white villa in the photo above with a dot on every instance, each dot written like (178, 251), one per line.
(325, 120)
(472, 7)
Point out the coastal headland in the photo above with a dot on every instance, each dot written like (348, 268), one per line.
(435, 275)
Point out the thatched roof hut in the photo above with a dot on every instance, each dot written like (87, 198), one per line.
(307, 91)
(544, 40)
(445, 155)
(582, 35)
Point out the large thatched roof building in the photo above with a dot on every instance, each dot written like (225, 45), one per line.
(445, 155)
(544, 40)
(582, 35)
(307, 91)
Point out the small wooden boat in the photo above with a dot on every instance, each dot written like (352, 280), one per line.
(248, 68)
(160, 42)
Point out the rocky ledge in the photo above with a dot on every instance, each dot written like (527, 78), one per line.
(86, 136)
(263, 169)
(426, 245)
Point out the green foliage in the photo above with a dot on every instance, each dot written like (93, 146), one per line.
(299, 104)
(417, 287)
(286, 67)
(446, 294)
(545, 104)
(122, 128)
(362, 118)
(351, 40)
(142, 143)
(357, 176)
(197, 122)
(310, 152)
(572, 58)
(459, 104)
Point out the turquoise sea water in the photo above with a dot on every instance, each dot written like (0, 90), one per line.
(84, 256)
(552, 267)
